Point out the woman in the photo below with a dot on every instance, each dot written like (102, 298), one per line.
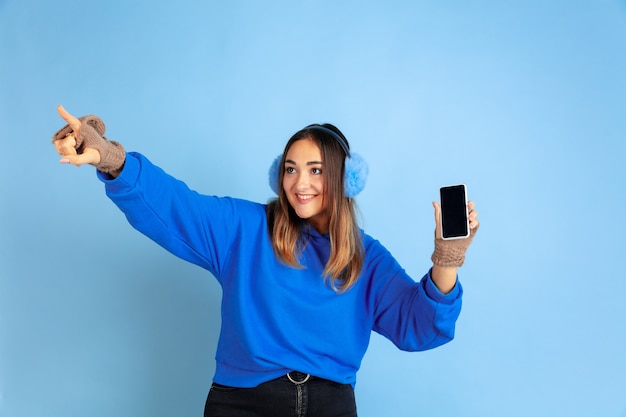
(303, 286)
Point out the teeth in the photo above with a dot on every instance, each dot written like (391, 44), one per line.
(304, 197)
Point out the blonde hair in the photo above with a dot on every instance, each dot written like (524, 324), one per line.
(286, 228)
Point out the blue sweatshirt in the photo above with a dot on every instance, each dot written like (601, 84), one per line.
(276, 318)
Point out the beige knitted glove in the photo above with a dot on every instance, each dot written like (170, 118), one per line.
(90, 135)
(451, 253)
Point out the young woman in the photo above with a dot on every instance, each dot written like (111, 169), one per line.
(303, 286)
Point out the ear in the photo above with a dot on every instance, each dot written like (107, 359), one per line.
(356, 174)
(274, 174)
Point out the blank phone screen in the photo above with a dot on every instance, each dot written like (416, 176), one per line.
(453, 211)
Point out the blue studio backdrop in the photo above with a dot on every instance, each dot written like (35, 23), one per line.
(524, 101)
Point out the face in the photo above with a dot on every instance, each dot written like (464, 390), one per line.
(303, 183)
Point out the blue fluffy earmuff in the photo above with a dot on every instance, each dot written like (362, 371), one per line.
(354, 179)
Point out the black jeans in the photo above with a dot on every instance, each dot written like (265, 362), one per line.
(292, 395)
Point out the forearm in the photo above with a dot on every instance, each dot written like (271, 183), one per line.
(444, 277)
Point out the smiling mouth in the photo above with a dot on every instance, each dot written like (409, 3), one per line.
(303, 198)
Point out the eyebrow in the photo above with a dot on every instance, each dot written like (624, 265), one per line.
(289, 161)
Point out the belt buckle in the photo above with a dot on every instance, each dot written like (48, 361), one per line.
(293, 381)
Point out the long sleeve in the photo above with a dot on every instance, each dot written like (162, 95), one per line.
(198, 228)
(413, 315)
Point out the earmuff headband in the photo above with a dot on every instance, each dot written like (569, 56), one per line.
(337, 137)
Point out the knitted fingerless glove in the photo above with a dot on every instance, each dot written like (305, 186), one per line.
(91, 135)
(451, 253)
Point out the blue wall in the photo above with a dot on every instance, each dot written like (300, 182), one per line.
(523, 101)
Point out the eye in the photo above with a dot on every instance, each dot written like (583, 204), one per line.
(289, 170)
(316, 171)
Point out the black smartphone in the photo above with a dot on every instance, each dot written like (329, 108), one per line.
(454, 216)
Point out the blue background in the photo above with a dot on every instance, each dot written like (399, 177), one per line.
(524, 101)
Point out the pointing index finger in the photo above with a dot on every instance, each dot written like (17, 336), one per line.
(71, 120)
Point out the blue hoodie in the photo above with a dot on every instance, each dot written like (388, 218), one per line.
(276, 318)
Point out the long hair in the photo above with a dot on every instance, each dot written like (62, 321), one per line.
(285, 227)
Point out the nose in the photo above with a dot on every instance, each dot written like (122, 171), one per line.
(303, 181)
